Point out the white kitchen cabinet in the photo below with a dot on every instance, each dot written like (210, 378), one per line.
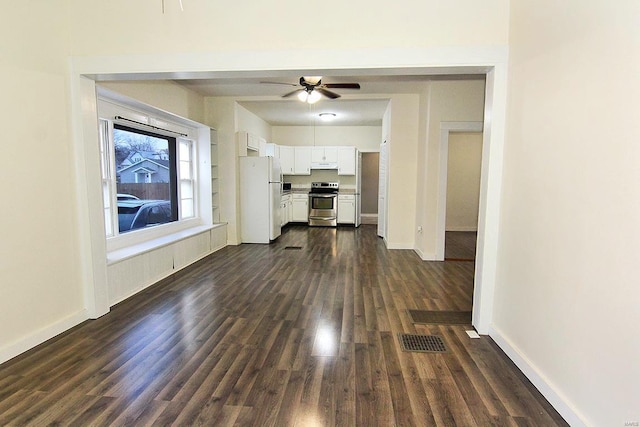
(254, 142)
(347, 160)
(287, 160)
(324, 154)
(247, 141)
(266, 148)
(270, 150)
(302, 161)
(300, 211)
(285, 209)
(346, 209)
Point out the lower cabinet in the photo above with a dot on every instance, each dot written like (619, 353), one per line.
(285, 209)
(300, 210)
(346, 209)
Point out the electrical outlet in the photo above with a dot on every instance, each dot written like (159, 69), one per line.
(419, 229)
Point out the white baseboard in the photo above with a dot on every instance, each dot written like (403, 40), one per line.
(369, 218)
(398, 245)
(424, 256)
(18, 347)
(544, 386)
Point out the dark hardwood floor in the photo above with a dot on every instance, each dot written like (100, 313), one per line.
(460, 245)
(272, 335)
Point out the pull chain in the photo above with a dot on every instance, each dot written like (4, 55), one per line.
(179, 2)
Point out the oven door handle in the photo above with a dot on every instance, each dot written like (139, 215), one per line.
(323, 195)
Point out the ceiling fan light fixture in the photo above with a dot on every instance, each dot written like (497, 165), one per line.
(302, 96)
(313, 97)
(327, 117)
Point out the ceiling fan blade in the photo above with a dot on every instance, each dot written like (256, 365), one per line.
(342, 85)
(327, 93)
(279, 83)
(295, 92)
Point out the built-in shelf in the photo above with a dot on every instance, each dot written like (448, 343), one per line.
(215, 183)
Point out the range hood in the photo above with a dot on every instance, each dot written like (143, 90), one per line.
(324, 165)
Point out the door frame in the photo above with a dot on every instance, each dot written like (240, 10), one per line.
(489, 60)
(446, 128)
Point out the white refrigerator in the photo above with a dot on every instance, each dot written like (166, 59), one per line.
(260, 196)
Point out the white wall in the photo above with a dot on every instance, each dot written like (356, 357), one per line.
(365, 138)
(568, 289)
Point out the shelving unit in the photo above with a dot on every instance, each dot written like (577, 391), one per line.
(215, 179)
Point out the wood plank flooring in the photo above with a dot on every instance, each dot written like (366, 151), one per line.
(260, 335)
(460, 245)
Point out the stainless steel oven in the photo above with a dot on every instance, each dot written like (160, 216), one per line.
(323, 204)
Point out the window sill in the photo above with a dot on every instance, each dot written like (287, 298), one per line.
(131, 251)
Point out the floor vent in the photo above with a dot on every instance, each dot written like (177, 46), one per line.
(422, 343)
(437, 317)
(292, 248)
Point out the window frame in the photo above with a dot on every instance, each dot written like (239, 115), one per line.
(185, 132)
(174, 162)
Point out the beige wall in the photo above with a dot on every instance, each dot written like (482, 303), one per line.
(463, 180)
(205, 26)
(442, 101)
(221, 113)
(249, 122)
(402, 171)
(40, 286)
(568, 289)
(163, 94)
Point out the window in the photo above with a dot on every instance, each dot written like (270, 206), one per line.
(147, 178)
(187, 184)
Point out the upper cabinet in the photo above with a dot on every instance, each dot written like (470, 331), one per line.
(287, 159)
(302, 162)
(267, 149)
(347, 160)
(248, 141)
(324, 154)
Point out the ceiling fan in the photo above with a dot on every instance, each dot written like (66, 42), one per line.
(313, 89)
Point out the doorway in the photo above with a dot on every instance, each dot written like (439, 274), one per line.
(464, 161)
(447, 129)
(369, 188)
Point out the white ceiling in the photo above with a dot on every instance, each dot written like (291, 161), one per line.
(364, 107)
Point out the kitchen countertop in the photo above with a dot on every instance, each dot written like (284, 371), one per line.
(295, 191)
(307, 190)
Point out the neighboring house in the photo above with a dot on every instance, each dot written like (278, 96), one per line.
(138, 156)
(144, 171)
